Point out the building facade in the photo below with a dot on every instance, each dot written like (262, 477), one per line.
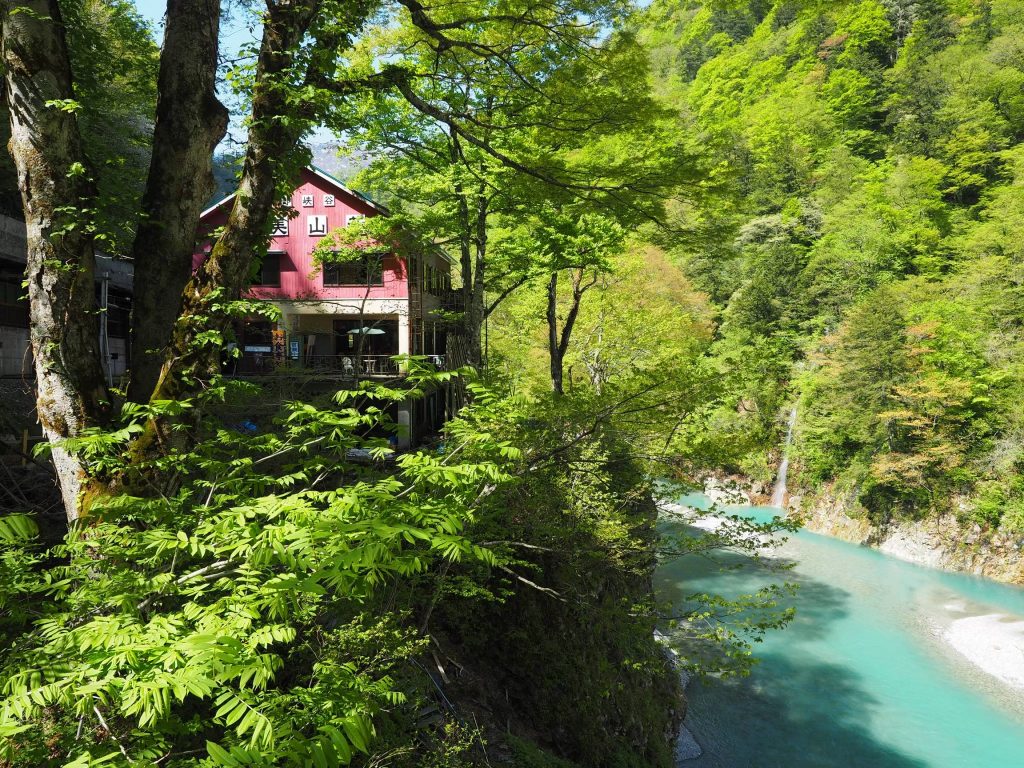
(113, 295)
(346, 318)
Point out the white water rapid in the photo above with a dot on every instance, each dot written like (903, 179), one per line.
(779, 492)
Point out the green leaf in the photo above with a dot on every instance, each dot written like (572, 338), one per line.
(17, 528)
(220, 755)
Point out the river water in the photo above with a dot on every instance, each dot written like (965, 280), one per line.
(887, 665)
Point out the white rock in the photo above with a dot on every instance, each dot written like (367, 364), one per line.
(994, 643)
(687, 747)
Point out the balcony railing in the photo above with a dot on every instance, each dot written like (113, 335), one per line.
(348, 366)
(451, 299)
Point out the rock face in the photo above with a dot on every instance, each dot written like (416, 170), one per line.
(939, 542)
(731, 489)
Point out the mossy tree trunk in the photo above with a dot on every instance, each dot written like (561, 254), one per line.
(270, 157)
(58, 200)
(190, 122)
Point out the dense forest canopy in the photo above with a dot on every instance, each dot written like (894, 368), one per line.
(864, 244)
(247, 573)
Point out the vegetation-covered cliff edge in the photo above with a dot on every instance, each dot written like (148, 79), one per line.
(861, 242)
(946, 541)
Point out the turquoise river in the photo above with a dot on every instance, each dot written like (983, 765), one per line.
(882, 667)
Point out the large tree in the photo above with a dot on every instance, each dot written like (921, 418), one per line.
(506, 125)
(309, 66)
(58, 197)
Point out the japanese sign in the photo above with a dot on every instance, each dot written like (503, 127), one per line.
(316, 226)
(277, 339)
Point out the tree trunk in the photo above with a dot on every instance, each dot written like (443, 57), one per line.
(478, 312)
(57, 197)
(558, 342)
(471, 318)
(192, 354)
(462, 346)
(464, 343)
(554, 349)
(270, 155)
(190, 122)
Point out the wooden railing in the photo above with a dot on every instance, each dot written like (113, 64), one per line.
(344, 366)
(335, 365)
(451, 299)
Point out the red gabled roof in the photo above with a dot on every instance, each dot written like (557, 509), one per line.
(321, 174)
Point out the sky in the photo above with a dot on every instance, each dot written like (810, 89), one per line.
(235, 32)
(151, 10)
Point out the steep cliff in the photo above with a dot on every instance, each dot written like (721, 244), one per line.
(863, 243)
(945, 541)
(572, 670)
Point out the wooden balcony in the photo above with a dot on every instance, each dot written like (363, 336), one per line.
(325, 366)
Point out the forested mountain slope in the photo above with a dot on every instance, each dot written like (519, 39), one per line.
(863, 237)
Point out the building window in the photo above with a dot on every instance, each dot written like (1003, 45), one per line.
(435, 281)
(119, 307)
(270, 270)
(368, 270)
(13, 304)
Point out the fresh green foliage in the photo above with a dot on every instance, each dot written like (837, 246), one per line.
(578, 527)
(864, 241)
(114, 60)
(281, 606)
(270, 597)
(546, 146)
(234, 622)
(641, 352)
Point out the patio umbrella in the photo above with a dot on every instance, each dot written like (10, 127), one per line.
(368, 331)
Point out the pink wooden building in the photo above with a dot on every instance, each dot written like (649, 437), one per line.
(347, 318)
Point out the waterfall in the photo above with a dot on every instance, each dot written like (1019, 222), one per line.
(779, 492)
